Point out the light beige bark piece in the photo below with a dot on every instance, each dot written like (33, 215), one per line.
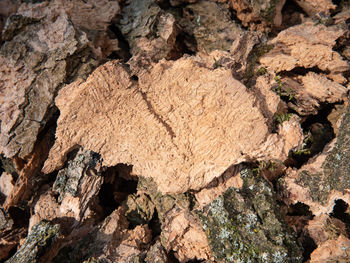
(323, 89)
(306, 45)
(182, 124)
(332, 251)
(184, 235)
(6, 183)
(312, 7)
(312, 91)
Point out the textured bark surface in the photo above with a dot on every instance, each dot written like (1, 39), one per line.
(308, 46)
(310, 92)
(34, 64)
(265, 12)
(174, 131)
(192, 133)
(313, 7)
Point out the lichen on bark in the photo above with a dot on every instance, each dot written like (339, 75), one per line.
(245, 225)
(37, 244)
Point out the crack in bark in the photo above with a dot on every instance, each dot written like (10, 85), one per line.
(157, 116)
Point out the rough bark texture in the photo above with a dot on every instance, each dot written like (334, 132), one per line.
(308, 46)
(35, 62)
(192, 133)
(244, 224)
(166, 131)
(312, 7)
(265, 12)
(321, 184)
(308, 93)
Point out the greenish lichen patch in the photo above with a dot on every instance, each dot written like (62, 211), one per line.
(163, 203)
(140, 209)
(336, 170)
(245, 225)
(42, 236)
(68, 179)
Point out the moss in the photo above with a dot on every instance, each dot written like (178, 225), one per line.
(282, 117)
(244, 225)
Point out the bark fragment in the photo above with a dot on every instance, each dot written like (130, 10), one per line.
(34, 64)
(266, 12)
(332, 251)
(320, 184)
(38, 244)
(324, 178)
(310, 92)
(307, 46)
(77, 187)
(211, 26)
(150, 31)
(109, 241)
(245, 224)
(188, 133)
(312, 7)
(91, 16)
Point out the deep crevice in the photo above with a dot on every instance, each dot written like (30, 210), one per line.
(341, 211)
(291, 13)
(300, 209)
(171, 257)
(155, 225)
(301, 71)
(124, 53)
(309, 246)
(116, 187)
(185, 44)
(319, 130)
(19, 216)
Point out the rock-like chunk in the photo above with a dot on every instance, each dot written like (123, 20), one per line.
(181, 228)
(308, 46)
(332, 251)
(184, 235)
(91, 16)
(34, 62)
(149, 30)
(183, 125)
(245, 225)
